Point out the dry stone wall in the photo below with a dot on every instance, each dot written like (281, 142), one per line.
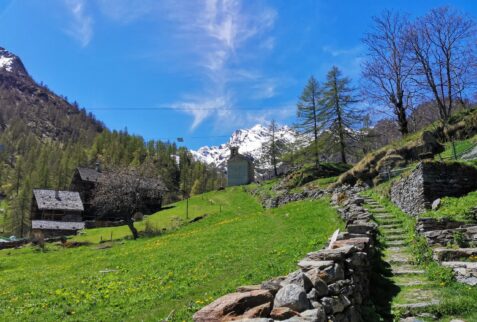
(330, 285)
(415, 193)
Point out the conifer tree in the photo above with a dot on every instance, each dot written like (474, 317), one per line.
(310, 115)
(339, 113)
(274, 147)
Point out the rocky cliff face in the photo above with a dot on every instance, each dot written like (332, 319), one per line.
(46, 114)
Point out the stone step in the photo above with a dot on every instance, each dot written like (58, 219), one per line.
(391, 226)
(413, 284)
(409, 308)
(389, 222)
(393, 232)
(404, 270)
(396, 243)
(383, 217)
(397, 258)
(395, 249)
(380, 213)
(410, 281)
(395, 237)
(378, 210)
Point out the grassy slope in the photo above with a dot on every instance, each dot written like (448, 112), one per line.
(180, 271)
(208, 203)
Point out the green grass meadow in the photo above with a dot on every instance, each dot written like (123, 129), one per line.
(174, 274)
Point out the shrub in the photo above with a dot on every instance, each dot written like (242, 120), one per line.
(38, 239)
(151, 230)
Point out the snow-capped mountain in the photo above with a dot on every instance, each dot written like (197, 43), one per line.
(11, 63)
(249, 142)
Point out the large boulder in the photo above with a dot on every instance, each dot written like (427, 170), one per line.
(314, 315)
(319, 285)
(235, 305)
(298, 278)
(282, 313)
(292, 296)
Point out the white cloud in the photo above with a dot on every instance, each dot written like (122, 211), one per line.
(215, 30)
(335, 52)
(202, 107)
(214, 34)
(81, 27)
(347, 59)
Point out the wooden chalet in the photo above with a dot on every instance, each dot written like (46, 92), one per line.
(85, 181)
(56, 213)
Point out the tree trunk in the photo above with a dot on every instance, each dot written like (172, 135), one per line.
(133, 229)
(402, 119)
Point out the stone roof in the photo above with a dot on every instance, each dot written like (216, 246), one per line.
(56, 225)
(61, 200)
(90, 175)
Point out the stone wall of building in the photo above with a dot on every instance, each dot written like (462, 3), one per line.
(415, 193)
(330, 285)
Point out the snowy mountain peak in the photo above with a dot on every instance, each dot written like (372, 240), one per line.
(11, 63)
(249, 141)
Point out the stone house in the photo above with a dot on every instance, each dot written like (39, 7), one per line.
(85, 181)
(56, 213)
(240, 169)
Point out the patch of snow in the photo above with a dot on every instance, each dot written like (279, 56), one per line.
(249, 141)
(6, 63)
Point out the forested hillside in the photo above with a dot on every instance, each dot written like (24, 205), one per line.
(43, 138)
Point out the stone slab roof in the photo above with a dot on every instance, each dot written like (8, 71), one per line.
(91, 175)
(64, 200)
(56, 225)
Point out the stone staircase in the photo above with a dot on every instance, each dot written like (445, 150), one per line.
(416, 295)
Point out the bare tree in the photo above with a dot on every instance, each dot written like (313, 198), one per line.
(123, 193)
(443, 45)
(388, 68)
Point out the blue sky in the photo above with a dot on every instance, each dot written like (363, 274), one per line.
(197, 69)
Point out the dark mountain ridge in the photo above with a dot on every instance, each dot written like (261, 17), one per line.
(47, 115)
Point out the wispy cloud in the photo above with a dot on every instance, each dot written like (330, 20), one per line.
(81, 26)
(217, 35)
(347, 59)
(216, 30)
(336, 52)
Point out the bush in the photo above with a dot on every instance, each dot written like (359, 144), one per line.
(138, 216)
(151, 230)
(38, 240)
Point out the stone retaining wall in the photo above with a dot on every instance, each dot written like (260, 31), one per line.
(415, 193)
(443, 232)
(274, 202)
(330, 285)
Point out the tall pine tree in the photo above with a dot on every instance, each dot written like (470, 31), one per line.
(339, 112)
(310, 115)
(274, 147)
